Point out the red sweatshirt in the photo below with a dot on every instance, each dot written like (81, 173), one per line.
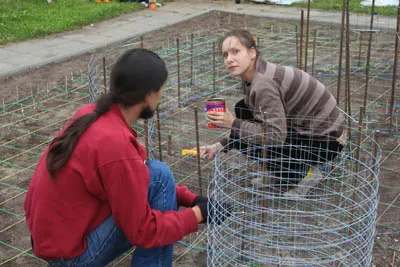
(106, 175)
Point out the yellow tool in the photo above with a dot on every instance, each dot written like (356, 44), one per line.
(189, 152)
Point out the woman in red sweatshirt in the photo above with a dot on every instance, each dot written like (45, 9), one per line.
(93, 195)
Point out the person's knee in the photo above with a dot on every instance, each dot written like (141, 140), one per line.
(160, 171)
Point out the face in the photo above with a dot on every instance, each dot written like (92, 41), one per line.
(238, 59)
(152, 100)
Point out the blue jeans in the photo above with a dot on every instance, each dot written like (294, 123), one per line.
(107, 241)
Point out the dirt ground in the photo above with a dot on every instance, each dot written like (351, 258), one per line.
(386, 249)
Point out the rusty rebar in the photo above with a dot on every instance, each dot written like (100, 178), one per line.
(348, 94)
(375, 149)
(396, 56)
(357, 156)
(297, 46)
(196, 121)
(313, 54)
(264, 166)
(169, 145)
(179, 73)
(191, 60)
(307, 33)
(359, 48)
(141, 42)
(213, 64)
(371, 27)
(301, 38)
(159, 134)
(340, 54)
(104, 75)
(146, 137)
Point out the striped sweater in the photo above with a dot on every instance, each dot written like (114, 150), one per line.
(287, 98)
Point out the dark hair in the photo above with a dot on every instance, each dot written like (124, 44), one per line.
(136, 73)
(245, 38)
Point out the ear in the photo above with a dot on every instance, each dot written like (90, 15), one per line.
(149, 97)
(253, 53)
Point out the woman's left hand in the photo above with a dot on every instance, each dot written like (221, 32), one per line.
(221, 119)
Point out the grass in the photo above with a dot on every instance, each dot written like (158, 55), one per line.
(355, 7)
(28, 19)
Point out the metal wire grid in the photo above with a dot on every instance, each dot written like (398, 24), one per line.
(331, 225)
(176, 116)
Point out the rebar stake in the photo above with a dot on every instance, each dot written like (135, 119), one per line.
(301, 38)
(196, 121)
(104, 75)
(307, 33)
(340, 54)
(396, 56)
(179, 73)
(159, 134)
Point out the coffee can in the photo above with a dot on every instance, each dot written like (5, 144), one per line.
(217, 105)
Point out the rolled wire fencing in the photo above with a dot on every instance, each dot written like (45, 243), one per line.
(329, 221)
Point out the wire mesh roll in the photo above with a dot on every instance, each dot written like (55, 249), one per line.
(332, 223)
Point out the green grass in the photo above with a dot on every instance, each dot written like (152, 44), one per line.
(27, 19)
(355, 7)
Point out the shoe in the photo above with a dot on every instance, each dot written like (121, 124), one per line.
(300, 191)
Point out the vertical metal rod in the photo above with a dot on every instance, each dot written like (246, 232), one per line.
(264, 165)
(66, 83)
(196, 121)
(396, 56)
(360, 126)
(375, 149)
(141, 42)
(159, 134)
(169, 145)
(191, 60)
(340, 54)
(146, 137)
(214, 74)
(297, 46)
(371, 27)
(307, 33)
(179, 74)
(313, 53)
(348, 95)
(301, 38)
(359, 48)
(104, 75)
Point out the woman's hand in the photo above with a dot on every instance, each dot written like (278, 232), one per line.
(208, 152)
(221, 119)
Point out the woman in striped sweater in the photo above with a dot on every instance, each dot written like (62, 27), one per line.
(304, 126)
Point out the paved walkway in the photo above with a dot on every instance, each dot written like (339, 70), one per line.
(19, 57)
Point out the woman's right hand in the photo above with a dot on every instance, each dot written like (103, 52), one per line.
(209, 152)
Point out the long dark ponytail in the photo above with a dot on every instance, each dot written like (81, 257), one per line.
(136, 73)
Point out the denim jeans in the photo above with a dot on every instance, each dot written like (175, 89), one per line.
(107, 241)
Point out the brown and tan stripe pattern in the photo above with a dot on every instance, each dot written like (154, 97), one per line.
(279, 92)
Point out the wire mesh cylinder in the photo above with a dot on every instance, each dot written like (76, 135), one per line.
(332, 224)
